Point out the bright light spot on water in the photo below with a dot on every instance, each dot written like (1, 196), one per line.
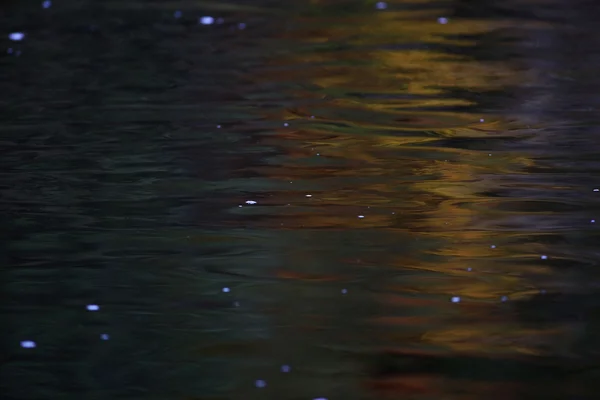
(344, 291)
(593, 221)
(46, 4)
(503, 299)
(544, 257)
(490, 154)
(16, 36)
(442, 20)
(286, 368)
(455, 299)
(260, 383)
(226, 290)
(312, 116)
(242, 25)
(361, 216)
(308, 195)
(206, 20)
(493, 246)
(218, 126)
(381, 5)
(469, 269)
(104, 336)
(177, 14)
(28, 344)
(92, 307)
(286, 124)
(482, 120)
(320, 398)
(250, 202)
(596, 190)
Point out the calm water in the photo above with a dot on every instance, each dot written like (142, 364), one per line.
(307, 199)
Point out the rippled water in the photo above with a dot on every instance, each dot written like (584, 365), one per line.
(300, 200)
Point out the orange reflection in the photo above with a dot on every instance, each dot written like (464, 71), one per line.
(366, 152)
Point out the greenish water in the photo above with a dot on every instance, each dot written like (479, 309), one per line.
(300, 200)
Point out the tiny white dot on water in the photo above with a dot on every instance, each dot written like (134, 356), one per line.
(260, 383)
(442, 20)
(236, 303)
(593, 221)
(482, 120)
(206, 20)
(92, 307)
(596, 190)
(286, 368)
(490, 154)
(469, 269)
(320, 398)
(226, 290)
(381, 5)
(104, 336)
(493, 246)
(544, 257)
(242, 25)
(308, 195)
(218, 126)
(16, 36)
(455, 299)
(286, 124)
(503, 299)
(312, 116)
(250, 202)
(361, 216)
(28, 344)
(344, 291)
(46, 4)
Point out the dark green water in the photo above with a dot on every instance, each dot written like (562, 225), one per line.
(307, 199)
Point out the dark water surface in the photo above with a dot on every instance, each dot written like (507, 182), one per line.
(300, 200)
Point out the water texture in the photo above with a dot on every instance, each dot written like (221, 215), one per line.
(303, 199)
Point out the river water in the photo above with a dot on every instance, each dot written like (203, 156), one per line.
(303, 199)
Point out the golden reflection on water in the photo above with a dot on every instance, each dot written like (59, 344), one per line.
(363, 154)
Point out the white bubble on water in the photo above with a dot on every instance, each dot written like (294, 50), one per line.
(206, 20)
(16, 36)
(260, 383)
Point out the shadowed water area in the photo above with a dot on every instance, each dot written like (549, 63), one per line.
(303, 199)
